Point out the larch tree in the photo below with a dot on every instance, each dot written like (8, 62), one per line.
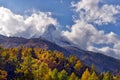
(85, 75)
(93, 76)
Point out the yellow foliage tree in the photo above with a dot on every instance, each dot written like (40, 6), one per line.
(85, 75)
(78, 65)
(3, 75)
(93, 76)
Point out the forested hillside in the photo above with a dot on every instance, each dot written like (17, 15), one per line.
(41, 64)
(102, 62)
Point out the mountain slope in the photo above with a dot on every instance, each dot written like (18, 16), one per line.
(9, 42)
(102, 62)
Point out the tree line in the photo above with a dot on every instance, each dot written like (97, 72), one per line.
(41, 64)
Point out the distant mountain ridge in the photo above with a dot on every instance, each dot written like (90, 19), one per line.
(102, 62)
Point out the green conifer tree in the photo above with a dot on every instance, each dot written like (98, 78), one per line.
(108, 76)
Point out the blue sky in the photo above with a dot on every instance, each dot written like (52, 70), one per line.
(61, 10)
(98, 31)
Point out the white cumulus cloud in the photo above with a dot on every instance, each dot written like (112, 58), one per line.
(91, 11)
(84, 33)
(35, 25)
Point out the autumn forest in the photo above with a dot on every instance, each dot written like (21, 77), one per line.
(41, 64)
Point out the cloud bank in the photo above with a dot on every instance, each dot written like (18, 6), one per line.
(86, 36)
(35, 25)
